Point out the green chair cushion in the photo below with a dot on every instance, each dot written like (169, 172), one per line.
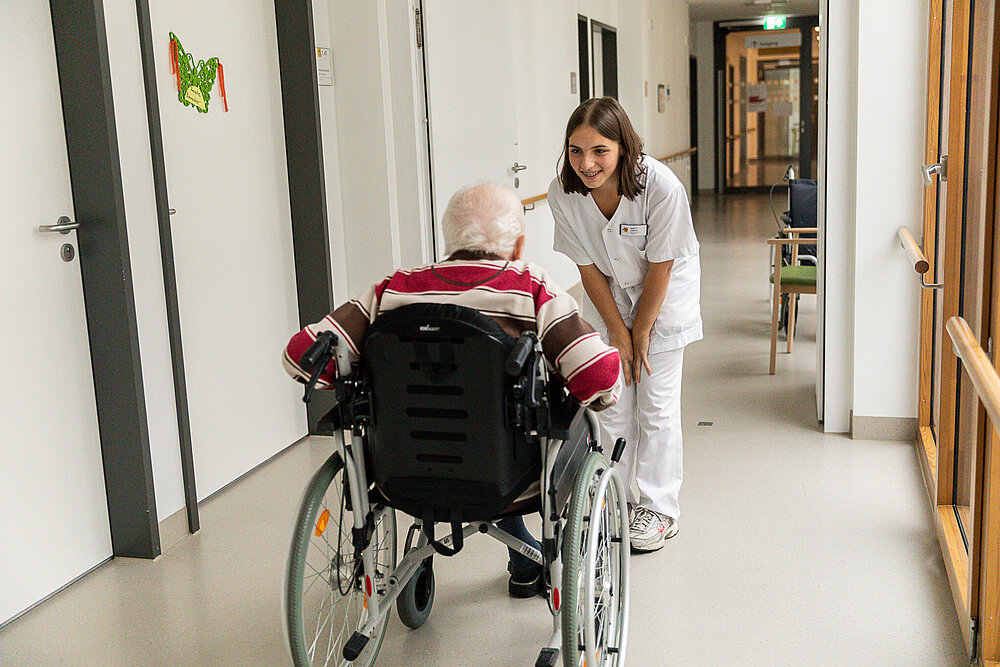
(803, 276)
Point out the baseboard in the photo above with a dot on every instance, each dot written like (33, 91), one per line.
(883, 428)
(173, 529)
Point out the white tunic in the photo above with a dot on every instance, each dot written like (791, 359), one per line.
(654, 227)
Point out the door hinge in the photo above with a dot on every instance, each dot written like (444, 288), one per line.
(419, 24)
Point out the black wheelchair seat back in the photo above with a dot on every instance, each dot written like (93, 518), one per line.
(802, 213)
(441, 443)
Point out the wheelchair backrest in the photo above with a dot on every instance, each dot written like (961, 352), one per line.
(802, 203)
(802, 213)
(441, 437)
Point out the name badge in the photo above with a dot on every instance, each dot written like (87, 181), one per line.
(632, 230)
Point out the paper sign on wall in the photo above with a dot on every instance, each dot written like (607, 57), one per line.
(324, 66)
(757, 97)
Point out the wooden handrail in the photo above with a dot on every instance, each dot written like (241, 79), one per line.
(678, 155)
(981, 371)
(917, 258)
(530, 201)
(798, 241)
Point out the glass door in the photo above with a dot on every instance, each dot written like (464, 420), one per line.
(770, 102)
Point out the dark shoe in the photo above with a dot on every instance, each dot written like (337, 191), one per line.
(525, 582)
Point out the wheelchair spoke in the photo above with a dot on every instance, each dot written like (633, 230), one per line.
(325, 598)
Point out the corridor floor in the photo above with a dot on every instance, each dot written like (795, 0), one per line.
(795, 547)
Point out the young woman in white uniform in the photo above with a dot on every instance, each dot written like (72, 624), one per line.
(624, 219)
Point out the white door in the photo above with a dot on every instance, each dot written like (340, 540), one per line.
(470, 96)
(53, 509)
(232, 236)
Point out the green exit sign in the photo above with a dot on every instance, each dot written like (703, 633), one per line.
(774, 22)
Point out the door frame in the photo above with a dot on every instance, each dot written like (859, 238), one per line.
(720, 29)
(85, 87)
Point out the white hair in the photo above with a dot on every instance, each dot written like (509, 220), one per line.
(485, 217)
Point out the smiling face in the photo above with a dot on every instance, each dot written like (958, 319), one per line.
(594, 158)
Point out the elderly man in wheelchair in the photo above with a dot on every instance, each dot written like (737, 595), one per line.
(465, 392)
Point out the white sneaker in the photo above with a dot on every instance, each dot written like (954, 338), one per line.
(650, 529)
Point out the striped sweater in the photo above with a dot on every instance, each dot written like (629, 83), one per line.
(517, 294)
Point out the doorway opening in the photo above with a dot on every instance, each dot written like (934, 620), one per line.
(598, 54)
(767, 110)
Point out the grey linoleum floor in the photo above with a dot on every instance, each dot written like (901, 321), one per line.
(795, 547)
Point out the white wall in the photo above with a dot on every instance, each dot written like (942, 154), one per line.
(547, 33)
(378, 139)
(892, 54)
(666, 61)
(874, 147)
(382, 203)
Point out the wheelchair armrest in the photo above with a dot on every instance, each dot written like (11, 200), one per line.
(563, 408)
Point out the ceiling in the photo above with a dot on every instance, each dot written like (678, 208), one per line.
(719, 10)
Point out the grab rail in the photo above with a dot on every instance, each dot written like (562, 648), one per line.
(916, 256)
(677, 156)
(981, 371)
(529, 203)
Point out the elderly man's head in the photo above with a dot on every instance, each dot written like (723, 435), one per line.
(484, 218)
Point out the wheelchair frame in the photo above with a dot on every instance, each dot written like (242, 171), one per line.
(572, 637)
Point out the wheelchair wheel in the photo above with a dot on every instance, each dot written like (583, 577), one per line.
(595, 568)
(415, 600)
(324, 595)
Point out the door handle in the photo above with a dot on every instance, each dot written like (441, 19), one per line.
(63, 225)
(940, 168)
(518, 167)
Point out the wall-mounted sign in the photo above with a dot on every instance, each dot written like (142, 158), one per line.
(774, 40)
(324, 66)
(774, 23)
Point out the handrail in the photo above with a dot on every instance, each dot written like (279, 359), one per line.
(916, 256)
(529, 203)
(981, 371)
(678, 155)
(920, 263)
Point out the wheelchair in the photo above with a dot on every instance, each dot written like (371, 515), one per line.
(450, 420)
(801, 213)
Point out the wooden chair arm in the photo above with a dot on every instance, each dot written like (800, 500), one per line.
(799, 230)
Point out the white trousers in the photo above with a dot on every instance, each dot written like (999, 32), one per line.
(648, 416)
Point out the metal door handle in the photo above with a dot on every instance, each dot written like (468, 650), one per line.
(518, 167)
(929, 170)
(940, 168)
(63, 225)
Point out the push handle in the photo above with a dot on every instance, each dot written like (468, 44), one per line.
(325, 340)
(316, 358)
(619, 449)
(519, 353)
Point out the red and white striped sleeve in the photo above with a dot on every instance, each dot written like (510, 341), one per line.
(349, 322)
(590, 367)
